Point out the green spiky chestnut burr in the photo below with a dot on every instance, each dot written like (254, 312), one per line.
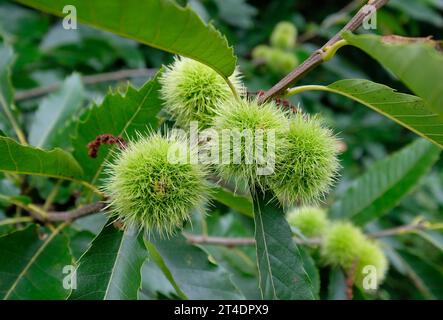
(370, 254)
(284, 35)
(281, 62)
(306, 167)
(277, 60)
(148, 190)
(341, 245)
(311, 221)
(259, 128)
(192, 91)
(261, 53)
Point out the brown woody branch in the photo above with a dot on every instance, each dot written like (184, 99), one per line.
(317, 57)
(76, 213)
(233, 242)
(221, 241)
(91, 79)
(415, 226)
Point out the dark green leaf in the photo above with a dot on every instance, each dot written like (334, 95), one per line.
(427, 277)
(155, 284)
(239, 261)
(192, 270)
(282, 272)
(241, 266)
(31, 265)
(383, 186)
(311, 269)
(434, 237)
(79, 242)
(157, 258)
(111, 268)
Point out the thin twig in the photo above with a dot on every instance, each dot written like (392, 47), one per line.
(233, 242)
(203, 239)
(416, 226)
(76, 213)
(221, 241)
(318, 56)
(92, 79)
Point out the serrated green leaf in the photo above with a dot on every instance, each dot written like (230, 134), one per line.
(119, 115)
(111, 268)
(282, 270)
(158, 23)
(418, 65)
(383, 186)
(55, 110)
(193, 272)
(31, 267)
(407, 110)
(33, 161)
